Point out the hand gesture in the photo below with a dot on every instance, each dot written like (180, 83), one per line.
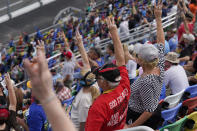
(8, 80)
(111, 24)
(79, 39)
(158, 9)
(39, 75)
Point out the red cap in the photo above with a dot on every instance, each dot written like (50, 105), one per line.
(68, 54)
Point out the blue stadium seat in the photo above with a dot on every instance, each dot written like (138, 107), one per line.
(170, 115)
(192, 90)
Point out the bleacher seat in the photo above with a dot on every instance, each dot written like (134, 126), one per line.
(170, 115)
(192, 90)
(163, 92)
(173, 100)
(177, 126)
(193, 117)
(190, 105)
(138, 128)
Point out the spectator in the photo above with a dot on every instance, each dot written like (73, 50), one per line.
(95, 57)
(108, 112)
(187, 52)
(41, 82)
(87, 94)
(144, 101)
(8, 115)
(55, 76)
(63, 93)
(131, 66)
(175, 76)
(110, 57)
(173, 41)
(36, 118)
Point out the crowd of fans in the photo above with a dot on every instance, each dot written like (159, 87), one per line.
(118, 89)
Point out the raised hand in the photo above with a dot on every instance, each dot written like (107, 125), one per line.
(8, 80)
(158, 9)
(79, 39)
(111, 24)
(39, 75)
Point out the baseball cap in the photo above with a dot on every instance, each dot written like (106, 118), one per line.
(189, 37)
(109, 72)
(68, 54)
(148, 52)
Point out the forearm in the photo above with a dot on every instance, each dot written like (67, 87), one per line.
(12, 97)
(186, 26)
(142, 119)
(53, 110)
(118, 49)
(160, 32)
(186, 58)
(84, 55)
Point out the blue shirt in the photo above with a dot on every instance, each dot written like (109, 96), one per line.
(173, 42)
(36, 118)
(167, 48)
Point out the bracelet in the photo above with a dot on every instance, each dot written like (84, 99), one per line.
(48, 100)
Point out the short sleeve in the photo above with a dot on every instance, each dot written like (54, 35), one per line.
(95, 120)
(161, 64)
(147, 97)
(125, 78)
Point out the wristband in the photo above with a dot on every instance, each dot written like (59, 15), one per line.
(48, 100)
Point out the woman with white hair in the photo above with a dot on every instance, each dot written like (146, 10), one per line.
(145, 91)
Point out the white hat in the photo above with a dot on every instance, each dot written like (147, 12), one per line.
(189, 37)
(172, 57)
(137, 47)
(131, 48)
(148, 52)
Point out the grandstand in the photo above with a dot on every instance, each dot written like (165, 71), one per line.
(71, 19)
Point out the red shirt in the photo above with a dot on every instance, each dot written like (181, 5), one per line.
(109, 111)
(181, 29)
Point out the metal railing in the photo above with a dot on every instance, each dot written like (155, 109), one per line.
(138, 35)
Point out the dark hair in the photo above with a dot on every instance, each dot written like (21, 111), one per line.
(97, 51)
(193, 2)
(111, 47)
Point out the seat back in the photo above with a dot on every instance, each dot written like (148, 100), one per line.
(170, 114)
(193, 117)
(173, 100)
(192, 90)
(190, 104)
(69, 101)
(163, 92)
(138, 128)
(177, 126)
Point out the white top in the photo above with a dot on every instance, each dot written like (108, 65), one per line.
(97, 40)
(96, 20)
(124, 28)
(68, 69)
(176, 78)
(80, 108)
(131, 67)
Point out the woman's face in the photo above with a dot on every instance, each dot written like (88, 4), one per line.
(92, 54)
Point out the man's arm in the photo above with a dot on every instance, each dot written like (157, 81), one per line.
(82, 50)
(158, 13)
(12, 96)
(118, 49)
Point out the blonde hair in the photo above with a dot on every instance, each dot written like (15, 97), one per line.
(89, 79)
(149, 65)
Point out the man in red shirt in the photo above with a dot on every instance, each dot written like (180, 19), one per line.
(109, 110)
